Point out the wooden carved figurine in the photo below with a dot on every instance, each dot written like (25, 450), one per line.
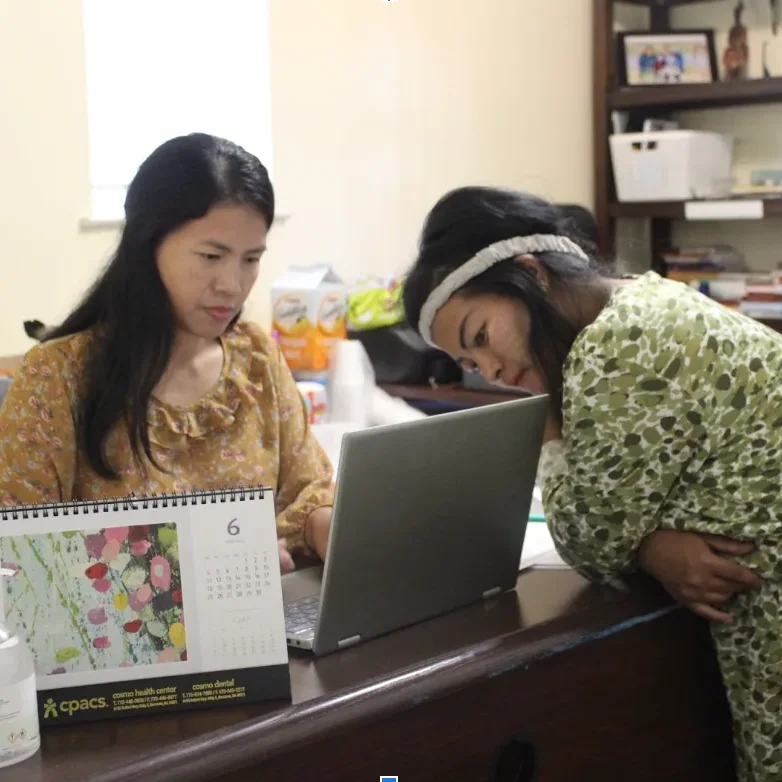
(736, 54)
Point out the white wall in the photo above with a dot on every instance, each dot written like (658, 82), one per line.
(377, 110)
(44, 261)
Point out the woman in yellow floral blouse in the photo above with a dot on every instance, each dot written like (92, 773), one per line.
(153, 384)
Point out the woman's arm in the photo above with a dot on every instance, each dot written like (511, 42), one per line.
(621, 484)
(630, 434)
(305, 490)
(37, 432)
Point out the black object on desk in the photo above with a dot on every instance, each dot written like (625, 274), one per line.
(448, 398)
(399, 355)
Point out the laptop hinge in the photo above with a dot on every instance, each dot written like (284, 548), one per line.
(492, 592)
(352, 641)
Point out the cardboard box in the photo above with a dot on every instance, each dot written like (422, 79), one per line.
(309, 304)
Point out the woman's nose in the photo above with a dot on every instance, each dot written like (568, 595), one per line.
(228, 280)
(491, 371)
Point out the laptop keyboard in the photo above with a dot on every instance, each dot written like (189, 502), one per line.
(301, 616)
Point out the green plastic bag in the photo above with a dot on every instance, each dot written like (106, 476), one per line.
(375, 304)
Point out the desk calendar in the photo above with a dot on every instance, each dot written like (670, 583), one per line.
(139, 606)
(234, 583)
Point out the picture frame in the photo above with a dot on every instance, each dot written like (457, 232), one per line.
(659, 59)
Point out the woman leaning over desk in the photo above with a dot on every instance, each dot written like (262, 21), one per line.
(664, 445)
(153, 384)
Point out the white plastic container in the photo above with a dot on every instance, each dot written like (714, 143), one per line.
(19, 733)
(315, 398)
(350, 384)
(672, 165)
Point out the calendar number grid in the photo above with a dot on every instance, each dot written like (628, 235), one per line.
(236, 582)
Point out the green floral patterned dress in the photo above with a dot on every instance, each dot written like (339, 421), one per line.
(673, 420)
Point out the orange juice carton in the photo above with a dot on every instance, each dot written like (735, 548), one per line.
(309, 305)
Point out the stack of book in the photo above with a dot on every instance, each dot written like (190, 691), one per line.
(720, 272)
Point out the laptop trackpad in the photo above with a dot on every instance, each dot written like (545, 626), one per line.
(301, 584)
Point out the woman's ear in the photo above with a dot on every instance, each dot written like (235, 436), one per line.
(534, 267)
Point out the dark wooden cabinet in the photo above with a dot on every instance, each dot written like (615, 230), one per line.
(556, 681)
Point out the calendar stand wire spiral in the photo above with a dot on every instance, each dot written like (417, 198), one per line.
(141, 605)
(132, 502)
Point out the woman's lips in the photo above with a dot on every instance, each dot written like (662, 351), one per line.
(220, 313)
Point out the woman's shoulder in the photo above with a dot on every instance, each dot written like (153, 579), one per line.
(655, 326)
(64, 355)
(651, 298)
(657, 310)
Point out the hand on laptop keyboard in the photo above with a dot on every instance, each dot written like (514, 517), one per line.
(286, 560)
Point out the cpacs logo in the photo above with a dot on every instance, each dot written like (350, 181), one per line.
(53, 710)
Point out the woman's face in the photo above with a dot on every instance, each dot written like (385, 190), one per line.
(489, 334)
(209, 266)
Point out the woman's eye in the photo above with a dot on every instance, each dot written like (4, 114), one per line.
(253, 259)
(480, 337)
(210, 256)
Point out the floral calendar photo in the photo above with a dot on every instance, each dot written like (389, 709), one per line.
(178, 596)
(118, 597)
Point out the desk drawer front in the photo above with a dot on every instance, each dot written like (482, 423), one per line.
(643, 705)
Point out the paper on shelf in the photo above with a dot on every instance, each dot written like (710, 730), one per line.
(729, 209)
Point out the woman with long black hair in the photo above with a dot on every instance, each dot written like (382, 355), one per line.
(665, 436)
(153, 383)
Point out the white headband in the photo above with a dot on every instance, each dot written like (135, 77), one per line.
(485, 259)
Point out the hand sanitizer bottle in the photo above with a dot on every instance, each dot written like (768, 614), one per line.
(19, 734)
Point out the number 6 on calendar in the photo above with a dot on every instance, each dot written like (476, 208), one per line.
(233, 527)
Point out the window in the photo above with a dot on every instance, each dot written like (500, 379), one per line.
(163, 68)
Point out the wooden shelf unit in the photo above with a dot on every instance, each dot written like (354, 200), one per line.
(674, 210)
(655, 101)
(721, 94)
(666, 4)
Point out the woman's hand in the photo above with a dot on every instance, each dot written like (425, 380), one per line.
(690, 567)
(286, 560)
(316, 531)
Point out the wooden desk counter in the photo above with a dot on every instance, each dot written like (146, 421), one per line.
(601, 683)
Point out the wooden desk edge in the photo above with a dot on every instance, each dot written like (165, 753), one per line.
(240, 746)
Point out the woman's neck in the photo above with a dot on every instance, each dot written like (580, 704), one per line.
(188, 350)
(601, 294)
(193, 370)
(583, 305)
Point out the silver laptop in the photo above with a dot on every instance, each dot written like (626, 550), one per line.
(428, 516)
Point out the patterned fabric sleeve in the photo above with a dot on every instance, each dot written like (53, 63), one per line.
(37, 433)
(305, 478)
(629, 435)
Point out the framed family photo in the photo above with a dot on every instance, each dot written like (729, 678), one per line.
(667, 58)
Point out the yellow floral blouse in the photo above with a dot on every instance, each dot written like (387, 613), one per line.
(250, 430)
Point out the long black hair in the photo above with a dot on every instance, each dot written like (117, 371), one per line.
(468, 219)
(128, 305)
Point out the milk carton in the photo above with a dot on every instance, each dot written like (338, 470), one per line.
(308, 315)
